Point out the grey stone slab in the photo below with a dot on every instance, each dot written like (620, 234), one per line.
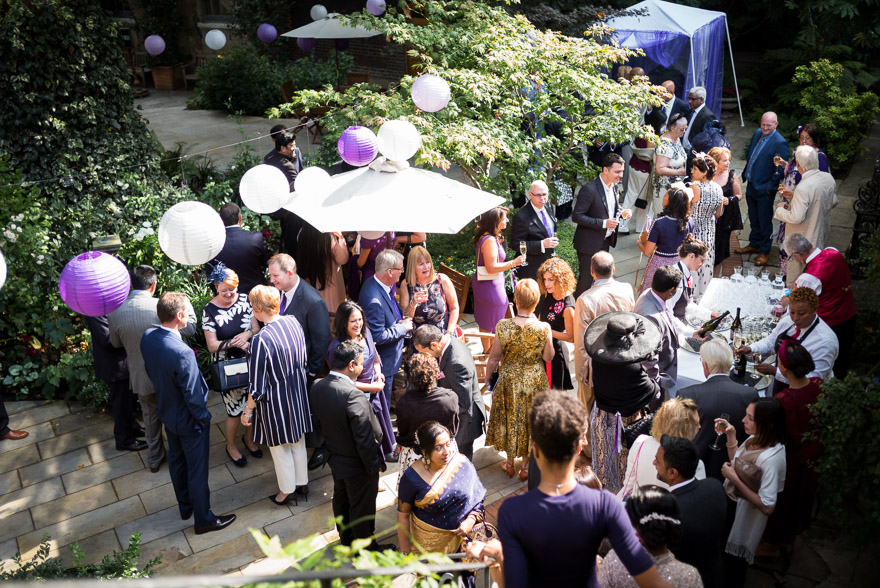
(94, 549)
(55, 466)
(8, 549)
(106, 449)
(154, 526)
(255, 467)
(253, 516)
(65, 507)
(313, 521)
(80, 420)
(84, 525)
(9, 482)
(15, 525)
(25, 498)
(162, 497)
(16, 407)
(40, 414)
(249, 491)
(221, 559)
(38, 433)
(170, 548)
(79, 438)
(76, 407)
(19, 457)
(101, 472)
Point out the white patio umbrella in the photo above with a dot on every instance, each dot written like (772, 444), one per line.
(329, 27)
(408, 199)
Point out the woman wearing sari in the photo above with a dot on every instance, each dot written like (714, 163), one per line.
(440, 497)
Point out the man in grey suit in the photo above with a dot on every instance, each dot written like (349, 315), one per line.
(353, 440)
(458, 373)
(716, 396)
(128, 323)
(703, 506)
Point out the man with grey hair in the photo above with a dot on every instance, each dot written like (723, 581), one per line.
(809, 212)
(385, 318)
(718, 395)
(827, 273)
(700, 115)
(535, 224)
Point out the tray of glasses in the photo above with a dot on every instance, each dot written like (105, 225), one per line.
(752, 379)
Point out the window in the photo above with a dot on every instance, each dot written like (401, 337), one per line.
(216, 10)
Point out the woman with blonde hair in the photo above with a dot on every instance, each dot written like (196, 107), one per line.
(522, 345)
(677, 417)
(731, 193)
(229, 324)
(426, 296)
(557, 282)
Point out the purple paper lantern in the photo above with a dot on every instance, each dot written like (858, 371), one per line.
(154, 44)
(357, 146)
(376, 7)
(94, 283)
(341, 44)
(305, 43)
(430, 93)
(266, 33)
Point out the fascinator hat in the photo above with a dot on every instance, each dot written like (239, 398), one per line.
(622, 338)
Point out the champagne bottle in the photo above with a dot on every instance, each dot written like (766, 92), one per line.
(735, 330)
(736, 326)
(712, 324)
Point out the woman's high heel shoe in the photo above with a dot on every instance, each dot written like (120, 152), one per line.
(523, 475)
(258, 452)
(507, 466)
(302, 492)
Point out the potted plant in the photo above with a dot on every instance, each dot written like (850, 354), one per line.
(163, 18)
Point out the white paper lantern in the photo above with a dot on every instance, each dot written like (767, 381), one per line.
(399, 140)
(215, 39)
(318, 12)
(312, 182)
(191, 233)
(264, 189)
(2, 270)
(430, 93)
(371, 235)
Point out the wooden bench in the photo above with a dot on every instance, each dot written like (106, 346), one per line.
(190, 74)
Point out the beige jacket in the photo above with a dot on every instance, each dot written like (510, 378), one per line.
(606, 296)
(809, 212)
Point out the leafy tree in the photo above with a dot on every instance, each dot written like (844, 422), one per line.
(524, 101)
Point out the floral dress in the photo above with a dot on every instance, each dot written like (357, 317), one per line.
(226, 323)
(521, 376)
(703, 216)
(677, 159)
(551, 311)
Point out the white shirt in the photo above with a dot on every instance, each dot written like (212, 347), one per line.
(538, 212)
(681, 484)
(679, 325)
(687, 135)
(610, 201)
(806, 280)
(822, 345)
(175, 331)
(669, 106)
(288, 296)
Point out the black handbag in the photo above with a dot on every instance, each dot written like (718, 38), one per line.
(632, 431)
(229, 373)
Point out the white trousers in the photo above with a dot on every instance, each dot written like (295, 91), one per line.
(639, 185)
(291, 465)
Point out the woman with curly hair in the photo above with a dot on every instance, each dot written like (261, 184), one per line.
(801, 325)
(557, 282)
(667, 232)
(706, 206)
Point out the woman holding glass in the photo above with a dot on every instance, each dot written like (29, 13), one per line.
(229, 324)
(426, 296)
(706, 207)
(671, 157)
(557, 282)
(731, 192)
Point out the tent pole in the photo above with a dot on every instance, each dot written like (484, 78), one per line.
(693, 67)
(733, 69)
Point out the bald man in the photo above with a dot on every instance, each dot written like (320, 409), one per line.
(535, 224)
(672, 105)
(763, 177)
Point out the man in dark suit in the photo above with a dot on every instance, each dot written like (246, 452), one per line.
(112, 367)
(353, 439)
(763, 177)
(596, 214)
(384, 317)
(244, 252)
(182, 397)
(658, 117)
(716, 396)
(458, 373)
(300, 300)
(535, 224)
(703, 506)
(286, 157)
(699, 116)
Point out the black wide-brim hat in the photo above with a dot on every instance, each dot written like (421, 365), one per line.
(621, 338)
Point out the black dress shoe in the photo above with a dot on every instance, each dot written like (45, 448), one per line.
(258, 452)
(155, 468)
(240, 462)
(218, 523)
(319, 458)
(135, 445)
(187, 516)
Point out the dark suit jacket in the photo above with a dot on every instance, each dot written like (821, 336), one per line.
(290, 167)
(589, 214)
(657, 118)
(460, 374)
(528, 227)
(680, 106)
(381, 318)
(764, 176)
(718, 394)
(695, 126)
(350, 427)
(703, 505)
(311, 311)
(181, 391)
(290, 222)
(667, 362)
(110, 362)
(246, 254)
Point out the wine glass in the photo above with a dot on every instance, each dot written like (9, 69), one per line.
(737, 274)
(522, 249)
(720, 428)
(555, 236)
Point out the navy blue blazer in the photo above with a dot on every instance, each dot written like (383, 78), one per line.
(246, 254)
(181, 391)
(764, 175)
(382, 315)
(310, 310)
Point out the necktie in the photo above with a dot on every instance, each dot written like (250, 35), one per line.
(396, 306)
(283, 303)
(546, 222)
(754, 156)
(689, 282)
(797, 332)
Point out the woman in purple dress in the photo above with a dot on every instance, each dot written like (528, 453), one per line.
(372, 244)
(490, 295)
(349, 324)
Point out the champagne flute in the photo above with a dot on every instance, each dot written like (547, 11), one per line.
(555, 236)
(523, 248)
(720, 428)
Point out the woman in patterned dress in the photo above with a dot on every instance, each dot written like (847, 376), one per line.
(426, 296)
(557, 282)
(229, 324)
(670, 159)
(706, 206)
(522, 345)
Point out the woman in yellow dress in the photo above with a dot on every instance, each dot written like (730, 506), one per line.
(522, 345)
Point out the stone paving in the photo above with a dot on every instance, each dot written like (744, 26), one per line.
(67, 479)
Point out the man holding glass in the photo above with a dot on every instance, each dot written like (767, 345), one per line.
(535, 225)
